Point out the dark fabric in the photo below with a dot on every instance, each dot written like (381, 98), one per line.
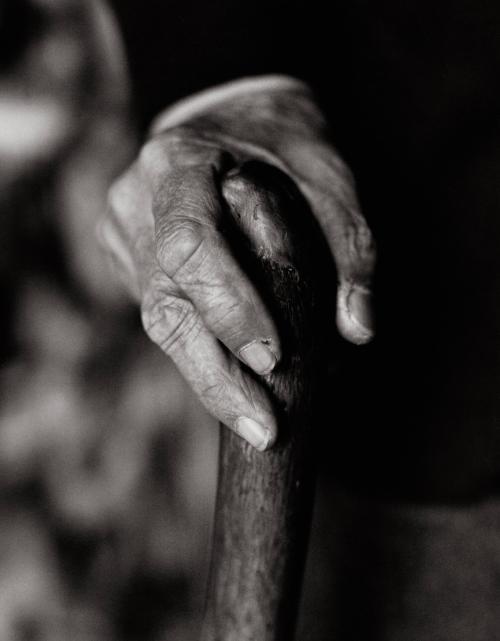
(386, 571)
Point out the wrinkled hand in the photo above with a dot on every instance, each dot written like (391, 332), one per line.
(162, 231)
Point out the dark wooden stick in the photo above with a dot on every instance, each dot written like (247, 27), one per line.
(264, 500)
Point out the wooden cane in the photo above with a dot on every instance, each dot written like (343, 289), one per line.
(264, 500)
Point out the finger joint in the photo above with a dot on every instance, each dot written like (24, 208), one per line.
(170, 321)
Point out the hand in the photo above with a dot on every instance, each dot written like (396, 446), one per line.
(162, 231)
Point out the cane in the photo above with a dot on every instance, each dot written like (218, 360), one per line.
(264, 500)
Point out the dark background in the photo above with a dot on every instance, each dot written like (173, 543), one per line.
(405, 543)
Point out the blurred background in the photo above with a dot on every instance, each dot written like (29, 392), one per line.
(107, 462)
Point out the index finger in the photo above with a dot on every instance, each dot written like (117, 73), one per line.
(192, 251)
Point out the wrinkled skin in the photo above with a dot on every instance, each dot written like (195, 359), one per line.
(161, 227)
(163, 232)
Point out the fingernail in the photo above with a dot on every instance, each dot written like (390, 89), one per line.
(253, 432)
(359, 305)
(259, 357)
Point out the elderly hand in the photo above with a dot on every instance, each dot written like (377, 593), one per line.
(162, 230)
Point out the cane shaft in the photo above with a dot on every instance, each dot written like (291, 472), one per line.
(264, 500)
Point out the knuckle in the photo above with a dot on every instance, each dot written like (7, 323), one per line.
(356, 254)
(236, 186)
(217, 393)
(241, 194)
(181, 146)
(163, 149)
(180, 138)
(123, 193)
(122, 199)
(364, 248)
(169, 321)
(213, 393)
(179, 240)
(227, 318)
(152, 155)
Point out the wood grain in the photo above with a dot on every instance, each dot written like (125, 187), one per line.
(264, 500)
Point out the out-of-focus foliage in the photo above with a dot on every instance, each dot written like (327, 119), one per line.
(107, 462)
